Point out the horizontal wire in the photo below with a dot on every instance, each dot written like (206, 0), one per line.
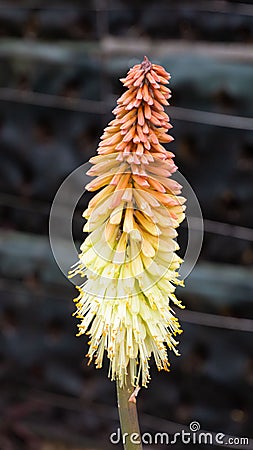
(100, 107)
(226, 229)
(210, 226)
(221, 228)
(216, 321)
(212, 118)
(188, 316)
(52, 101)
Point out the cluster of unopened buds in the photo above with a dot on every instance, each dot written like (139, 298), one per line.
(129, 258)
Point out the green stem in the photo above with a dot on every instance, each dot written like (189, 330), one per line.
(128, 417)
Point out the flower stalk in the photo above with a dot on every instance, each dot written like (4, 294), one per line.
(128, 416)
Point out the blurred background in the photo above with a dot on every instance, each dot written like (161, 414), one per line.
(60, 64)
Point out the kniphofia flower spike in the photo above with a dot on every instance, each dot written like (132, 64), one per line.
(129, 257)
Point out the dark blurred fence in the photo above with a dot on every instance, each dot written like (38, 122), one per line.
(59, 81)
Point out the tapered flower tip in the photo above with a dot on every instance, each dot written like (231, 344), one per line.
(146, 64)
